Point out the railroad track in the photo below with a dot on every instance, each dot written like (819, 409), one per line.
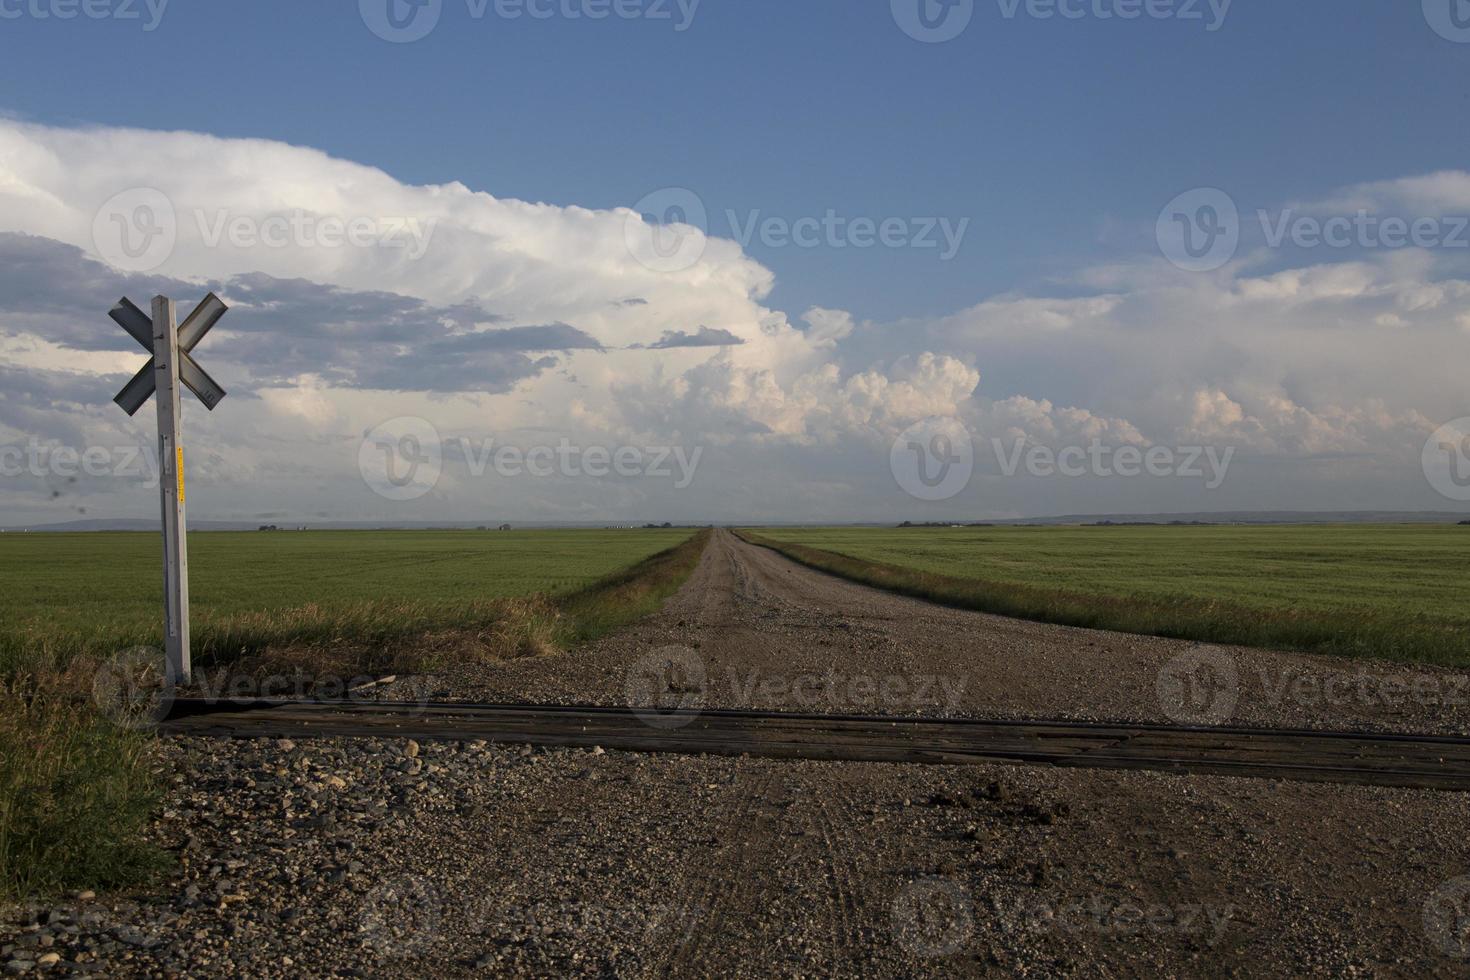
(1429, 762)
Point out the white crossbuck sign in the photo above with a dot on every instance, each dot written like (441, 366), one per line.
(172, 363)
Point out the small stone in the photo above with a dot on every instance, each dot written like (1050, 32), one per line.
(597, 750)
(285, 745)
(411, 750)
(86, 896)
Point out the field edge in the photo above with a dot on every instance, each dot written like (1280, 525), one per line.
(1205, 621)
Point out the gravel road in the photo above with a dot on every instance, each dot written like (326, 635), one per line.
(755, 630)
(329, 857)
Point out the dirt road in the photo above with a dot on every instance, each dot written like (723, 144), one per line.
(752, 629)
(388, 860)
(815, 868)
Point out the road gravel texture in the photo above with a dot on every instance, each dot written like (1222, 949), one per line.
(382, 857)
(753, 629)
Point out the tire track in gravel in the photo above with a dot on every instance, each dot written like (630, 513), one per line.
(839, 843)
(723, 881)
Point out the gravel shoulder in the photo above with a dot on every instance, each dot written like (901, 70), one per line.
(327, 857)
(379, 858)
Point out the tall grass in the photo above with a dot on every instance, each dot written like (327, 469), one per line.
(76, 795)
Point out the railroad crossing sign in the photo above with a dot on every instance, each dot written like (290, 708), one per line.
(190, 332)
(172, 363)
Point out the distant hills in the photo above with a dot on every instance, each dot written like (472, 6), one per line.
(1203, 517)
(123, 524)
(1262, 517)
(142, 524)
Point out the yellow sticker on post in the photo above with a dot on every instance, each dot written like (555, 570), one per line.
(179, 468)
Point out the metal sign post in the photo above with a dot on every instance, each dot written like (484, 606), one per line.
(172, 363)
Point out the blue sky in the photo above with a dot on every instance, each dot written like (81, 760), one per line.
(1073, 260)
(1060, 140)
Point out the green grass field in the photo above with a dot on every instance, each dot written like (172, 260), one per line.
(67, 594)
(1394, 591)
(77, 791)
